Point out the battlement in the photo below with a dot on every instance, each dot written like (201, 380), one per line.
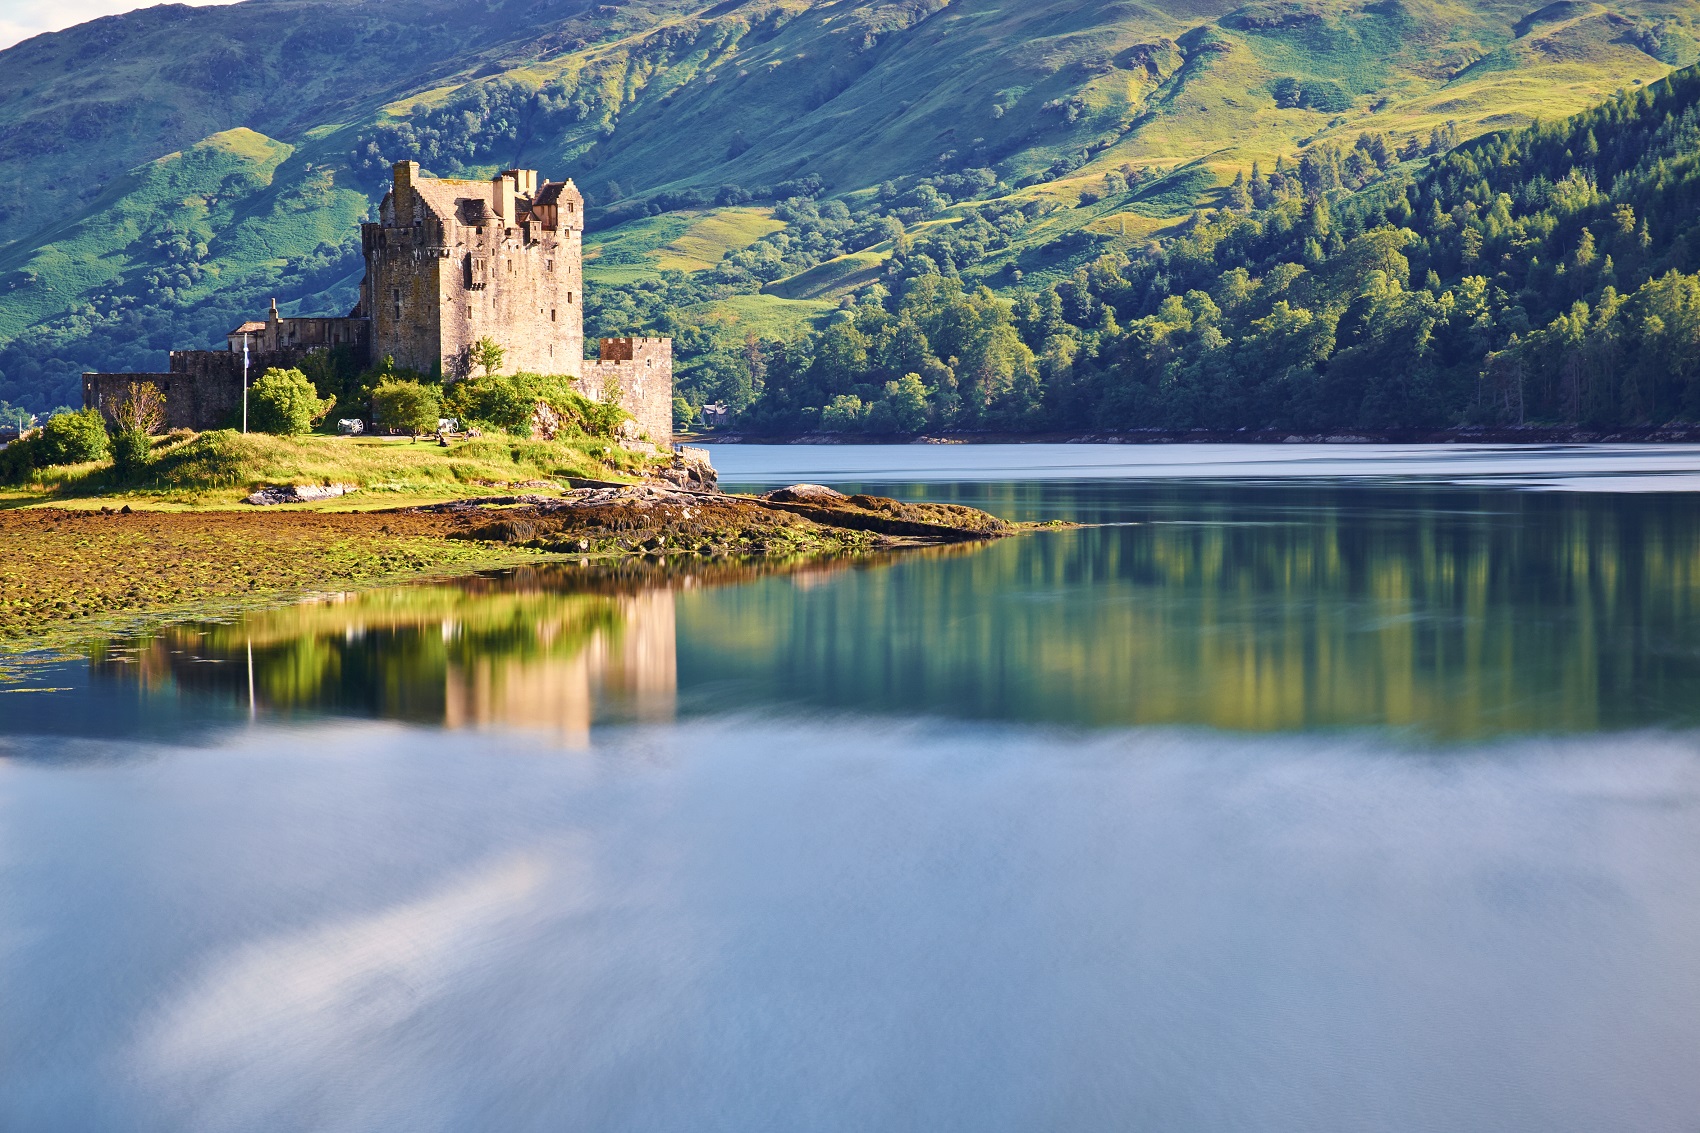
(637, 375)
(634, 349)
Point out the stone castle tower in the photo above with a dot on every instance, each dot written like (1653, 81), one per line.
(452, 261)
(448, 262)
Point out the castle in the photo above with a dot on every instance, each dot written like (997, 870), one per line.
(447, 262)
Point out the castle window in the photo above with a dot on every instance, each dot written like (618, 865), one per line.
(549, 265)
(395, 294)
(469, 310)
(551, 314)
(569, 298)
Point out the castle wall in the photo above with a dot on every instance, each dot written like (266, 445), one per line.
(306, 332)
(637, 375)
(401, 296)
(532, 304)
(203, 390)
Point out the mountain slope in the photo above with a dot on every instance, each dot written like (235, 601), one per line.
(1544, 276)
(665, 106)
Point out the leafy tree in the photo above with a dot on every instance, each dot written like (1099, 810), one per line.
(15, 415)
(487, 354)
(903, 409)
(842, 415)
(73, 438)
(284, 402)
(684, 416)
(413, 407)
(139, 416)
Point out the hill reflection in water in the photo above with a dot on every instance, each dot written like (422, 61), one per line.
(1453, 612)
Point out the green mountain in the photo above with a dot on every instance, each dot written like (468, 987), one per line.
(753, 164)
(1539, 276)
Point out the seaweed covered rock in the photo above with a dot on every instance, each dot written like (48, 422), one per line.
(662, 519)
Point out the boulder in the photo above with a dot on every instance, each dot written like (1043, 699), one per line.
(545, 422)
(806, 494)
(298, 494)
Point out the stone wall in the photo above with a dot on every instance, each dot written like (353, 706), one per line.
(203, 390)
(637, 375)
(106, 392)
(400, 297)
(308, 332)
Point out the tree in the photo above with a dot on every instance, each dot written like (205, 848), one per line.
(285, 403)
(905, 404)
(1238, 196)
(413, 406)
(142, 410)
(73, 438)
(842, 415)
(488, 354)
(16, 416)
(139, 416)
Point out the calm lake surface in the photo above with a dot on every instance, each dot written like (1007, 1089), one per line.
(1312, 788)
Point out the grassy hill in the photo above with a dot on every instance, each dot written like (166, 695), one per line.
(167, 172)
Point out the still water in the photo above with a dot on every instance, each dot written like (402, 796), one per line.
(1317, 789)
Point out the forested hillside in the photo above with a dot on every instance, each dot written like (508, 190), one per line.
(764, 172)
(1540, 275)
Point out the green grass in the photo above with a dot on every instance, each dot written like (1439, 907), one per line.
(712, 234)
(681, 241)
(221, 468)
(832, 279)
(767, 316)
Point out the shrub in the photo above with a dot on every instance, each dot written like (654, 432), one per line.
(68, 437)
(130, 449)
(506, 401)
(285, 403)
(18, 459)
(73, 438)
(412, 406)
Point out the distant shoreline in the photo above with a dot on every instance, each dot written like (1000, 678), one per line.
(1495, 435)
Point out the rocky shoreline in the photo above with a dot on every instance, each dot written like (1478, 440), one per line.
(662, 520)
(67, 573)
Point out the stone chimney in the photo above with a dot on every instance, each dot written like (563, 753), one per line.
(405, 174)
(525, 181)
(503, 191)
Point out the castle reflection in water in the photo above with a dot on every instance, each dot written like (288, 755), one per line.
(532, 650)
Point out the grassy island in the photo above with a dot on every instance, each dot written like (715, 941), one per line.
(84, 551)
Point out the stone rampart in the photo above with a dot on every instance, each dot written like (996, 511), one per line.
(637, 375)
(203, 390)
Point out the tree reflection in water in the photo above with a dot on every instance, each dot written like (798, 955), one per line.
(1453, 612)
(550, 648)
